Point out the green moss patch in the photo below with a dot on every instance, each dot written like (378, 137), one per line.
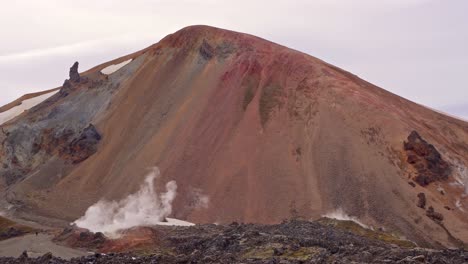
(9, 229)
(355, 228)
(5, 224)
(301, 254)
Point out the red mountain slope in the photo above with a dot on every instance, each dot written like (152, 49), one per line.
(265, 132)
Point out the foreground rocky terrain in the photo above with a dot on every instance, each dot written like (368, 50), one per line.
(324, 241)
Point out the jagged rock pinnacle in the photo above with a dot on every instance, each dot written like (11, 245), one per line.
(74, 75)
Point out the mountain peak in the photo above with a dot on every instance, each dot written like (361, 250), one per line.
(194, 36)
(200, 31)
(251, 131)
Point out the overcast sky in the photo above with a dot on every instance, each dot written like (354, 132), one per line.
(415, 48)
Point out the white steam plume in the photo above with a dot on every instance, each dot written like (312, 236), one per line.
(142, 208)
(199, 200)
(339, 214)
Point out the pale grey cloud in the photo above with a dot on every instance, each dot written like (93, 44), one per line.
(414, 48)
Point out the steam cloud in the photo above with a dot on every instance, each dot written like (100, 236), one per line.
(339, 214)
(199, 200)
(142, 208)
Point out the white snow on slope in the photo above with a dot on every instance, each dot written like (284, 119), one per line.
(25, 105)
(175, 222)
(115, 67)
(459, 205)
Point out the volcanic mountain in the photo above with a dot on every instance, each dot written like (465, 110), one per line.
(251, 131)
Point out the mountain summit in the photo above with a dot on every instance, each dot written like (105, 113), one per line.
(251, 131)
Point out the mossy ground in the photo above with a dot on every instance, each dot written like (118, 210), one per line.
(355, 228)
(301, 254)
(6, 224)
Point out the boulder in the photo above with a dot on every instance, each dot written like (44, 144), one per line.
(24, 255)
(421, 200)
(435, 216)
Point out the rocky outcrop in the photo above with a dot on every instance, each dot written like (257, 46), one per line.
(421, 200)
(80, 238)
(74, 75)
(66, 85)
(69, 144)
(74, 79)
(435, 216)
(206, 50)
(84, 146)
(56, 129)
(427, 161)
(24, 256)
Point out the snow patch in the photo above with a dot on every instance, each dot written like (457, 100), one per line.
(460, 174)
(175, 222)
(463, 174)
(441, 190)
(25, 105)
(143, 208)
(115, 67)
(459, 205)
(339, 214)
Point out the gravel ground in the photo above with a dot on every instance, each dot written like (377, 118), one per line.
(36, 246)
(289, 242)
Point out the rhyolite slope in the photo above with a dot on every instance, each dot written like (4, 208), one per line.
(265, 132)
